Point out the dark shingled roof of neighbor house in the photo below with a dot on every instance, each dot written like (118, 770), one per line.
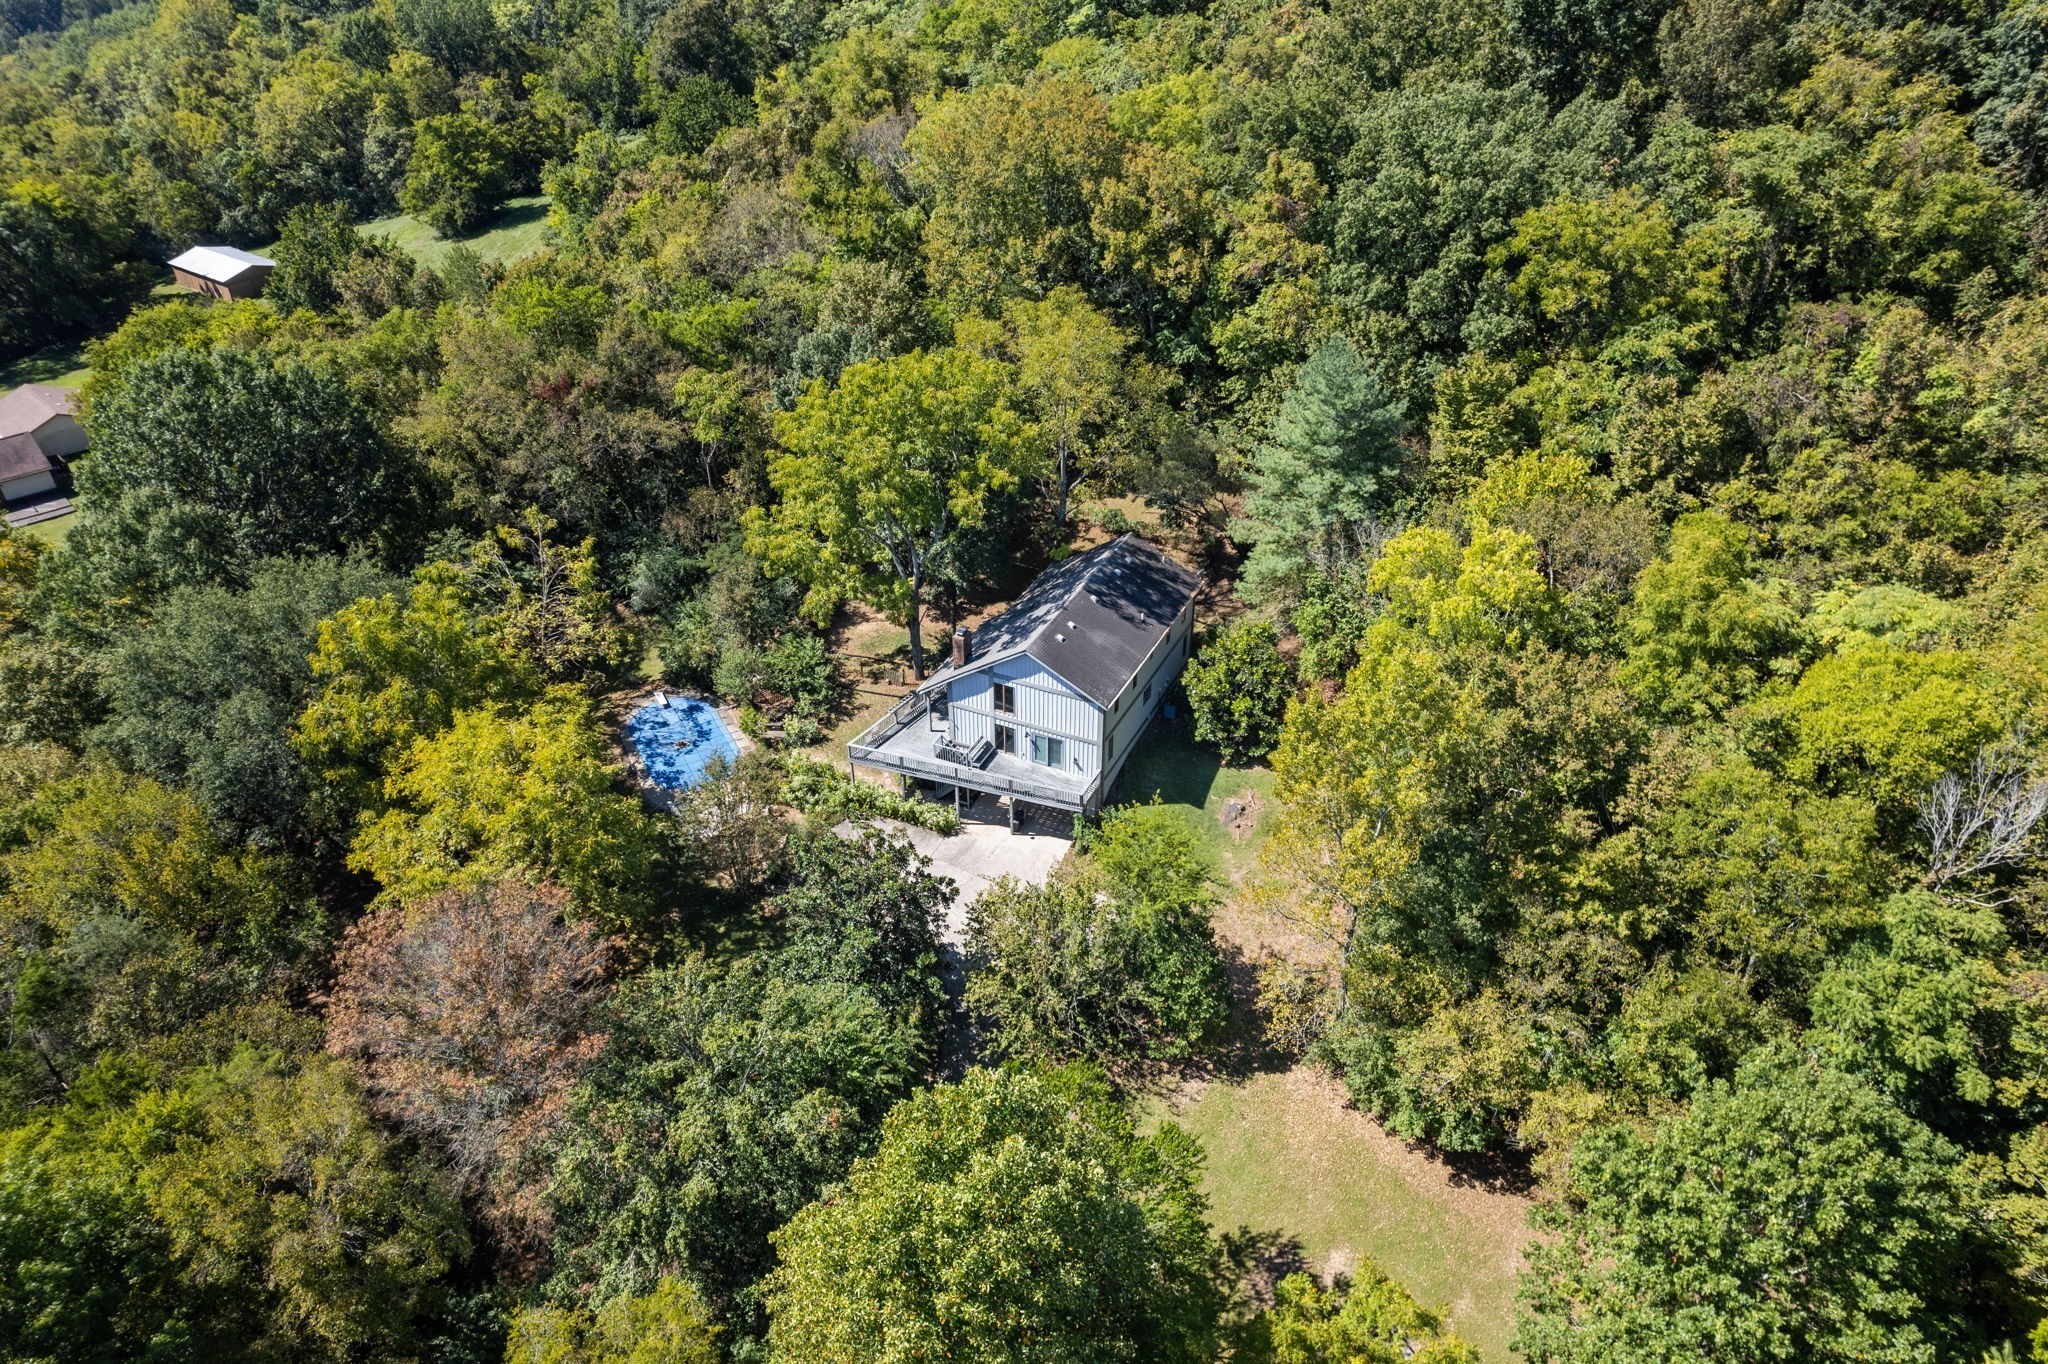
(20, 456)
(1093, 619)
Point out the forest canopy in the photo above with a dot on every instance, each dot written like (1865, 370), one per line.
(1613, 438)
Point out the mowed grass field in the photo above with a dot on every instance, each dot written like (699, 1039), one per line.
(63, 366)
(518, 230)
(1189, 778)
(1292, 1165)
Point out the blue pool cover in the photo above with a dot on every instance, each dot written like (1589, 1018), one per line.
(678, 741)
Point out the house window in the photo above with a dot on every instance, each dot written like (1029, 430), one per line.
(1108, 747)
(1006, 739)
(1005, 699)
(1048, 751)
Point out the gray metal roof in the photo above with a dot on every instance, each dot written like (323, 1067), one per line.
(221, 264)
(1093, 619)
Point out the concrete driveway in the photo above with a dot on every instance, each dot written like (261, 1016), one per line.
(985, 849)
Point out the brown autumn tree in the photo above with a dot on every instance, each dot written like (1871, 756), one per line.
(471, 1014)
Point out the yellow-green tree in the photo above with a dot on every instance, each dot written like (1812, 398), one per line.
(1007, 171)
(527, 794)
(880, 477)
(396, 668)
(669, 1324)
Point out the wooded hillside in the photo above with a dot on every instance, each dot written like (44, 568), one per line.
(1614, 434)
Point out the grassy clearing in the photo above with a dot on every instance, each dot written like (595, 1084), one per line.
(1190, 778)
(1309, 1177)
(519, 230)
(53, 532)
(63, 366)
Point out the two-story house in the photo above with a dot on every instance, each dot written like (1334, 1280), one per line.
(1042, 703)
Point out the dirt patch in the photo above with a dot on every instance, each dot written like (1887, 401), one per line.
(1240, 814)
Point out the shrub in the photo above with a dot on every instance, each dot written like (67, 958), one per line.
(821, 791)
(1238, 687)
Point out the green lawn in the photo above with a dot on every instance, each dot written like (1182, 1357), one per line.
(1290, 1164)
(60, 365)
(520, 229)
(1191, 778)
(53, 532)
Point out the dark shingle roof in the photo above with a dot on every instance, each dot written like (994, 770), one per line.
(20, 456)
(1093, 619)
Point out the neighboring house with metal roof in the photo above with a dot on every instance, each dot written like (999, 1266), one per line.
(222, 271)
(38, 431)
(1043, 702)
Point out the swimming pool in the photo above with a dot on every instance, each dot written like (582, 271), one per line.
(677, 741)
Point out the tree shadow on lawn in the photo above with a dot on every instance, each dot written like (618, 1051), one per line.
(1501, 1170)
(1253, 1263)
(1169, 764)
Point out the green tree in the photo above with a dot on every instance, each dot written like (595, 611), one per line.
(866, 910)
(1113, 958)
(207, 695)
(64, 253)
(315, 244)
(90, 1275)
(1433, 177)
(1792, 1214)
(247, 1207)
(49, 691)
(724, 1103)
(1764, 875)
(273, 1179)
(1005, 1214)
(1931, 1011)
(1326, 470)
(461, 170)
(882, 476)
(284, 452)
(126, 915)
(1238, 687)
(1614, 276)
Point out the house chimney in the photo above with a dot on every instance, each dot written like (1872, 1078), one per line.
(961, 640)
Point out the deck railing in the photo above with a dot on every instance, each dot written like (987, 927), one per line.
(870, 750)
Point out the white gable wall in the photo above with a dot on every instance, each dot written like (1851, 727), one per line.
(1045, 705)
(60, 436)
(28, 485)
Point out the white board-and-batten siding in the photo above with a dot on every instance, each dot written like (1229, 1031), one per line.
(1045, 705)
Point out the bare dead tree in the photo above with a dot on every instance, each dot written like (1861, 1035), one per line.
(470, 1015)
(1978, 821)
